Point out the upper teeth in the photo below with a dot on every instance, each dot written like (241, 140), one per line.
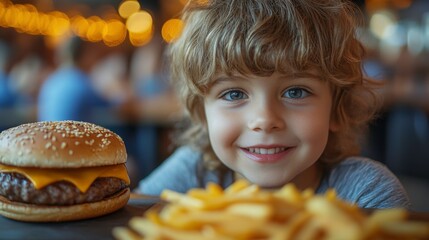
(266, 150)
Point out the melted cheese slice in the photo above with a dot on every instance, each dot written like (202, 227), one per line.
(82, 178)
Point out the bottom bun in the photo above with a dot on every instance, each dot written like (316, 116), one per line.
(37, 213)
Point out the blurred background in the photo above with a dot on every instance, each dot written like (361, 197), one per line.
(102, 61)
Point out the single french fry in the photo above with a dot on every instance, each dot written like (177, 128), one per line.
(291, 194)
(123, 233)
(154, 217)
(172, 213)
(311, 230)
(250, 190)
(200, 194)
(236, 186)
(214, 189)
(331, 195)
(145, 227)
(307, 194)
(244, 228)
(183, 199)
(252, 210)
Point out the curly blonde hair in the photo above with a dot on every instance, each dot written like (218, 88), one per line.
(265, 36)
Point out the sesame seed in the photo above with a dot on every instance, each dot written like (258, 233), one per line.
(90, 142)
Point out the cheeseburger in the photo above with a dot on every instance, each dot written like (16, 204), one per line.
(61, 171)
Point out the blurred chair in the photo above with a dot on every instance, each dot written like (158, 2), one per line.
(407, 142)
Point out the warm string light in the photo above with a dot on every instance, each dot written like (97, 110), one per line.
(393, 33)
(171, 29)
(140, 27)
(55, 26)
(377, 5)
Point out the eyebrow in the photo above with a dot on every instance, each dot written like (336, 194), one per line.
(301, 75)
(225, 79)
(307, 75)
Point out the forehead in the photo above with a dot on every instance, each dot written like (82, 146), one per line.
(313, 74)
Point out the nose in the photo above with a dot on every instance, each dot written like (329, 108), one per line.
(266, 118)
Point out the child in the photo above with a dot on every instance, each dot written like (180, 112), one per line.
(275, 93)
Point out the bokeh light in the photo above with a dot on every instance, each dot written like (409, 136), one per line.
(171, 29)
(140, 28)
(127, 8)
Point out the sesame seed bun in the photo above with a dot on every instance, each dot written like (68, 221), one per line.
(61, 144)
(61, 171)
(35, 213)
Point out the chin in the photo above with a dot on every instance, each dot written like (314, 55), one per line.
(267, 182)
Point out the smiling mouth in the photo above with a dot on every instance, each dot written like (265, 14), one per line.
(266, 150)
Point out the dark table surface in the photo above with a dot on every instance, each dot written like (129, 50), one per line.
(95, 228)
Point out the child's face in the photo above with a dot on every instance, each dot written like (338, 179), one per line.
(269, 129)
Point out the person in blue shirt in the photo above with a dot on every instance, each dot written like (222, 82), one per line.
(69, 93)
(6, 95)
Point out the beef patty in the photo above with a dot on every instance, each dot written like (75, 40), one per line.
(18, 188)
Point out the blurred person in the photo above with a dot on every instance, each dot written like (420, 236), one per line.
(6, 94)
(275, 94)
(26, 61)
(110, 77)
(70, 92)
(7, 97)
(30, 63)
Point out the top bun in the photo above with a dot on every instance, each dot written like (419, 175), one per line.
(61, 144)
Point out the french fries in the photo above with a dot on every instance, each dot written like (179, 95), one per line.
(244, 211)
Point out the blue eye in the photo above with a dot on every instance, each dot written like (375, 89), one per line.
(296, 93)
(234, 95)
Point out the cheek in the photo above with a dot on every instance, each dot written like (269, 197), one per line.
(318, 133)
(223, 128)
(314, 131)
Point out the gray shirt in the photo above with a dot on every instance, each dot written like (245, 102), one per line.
(359, 180)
